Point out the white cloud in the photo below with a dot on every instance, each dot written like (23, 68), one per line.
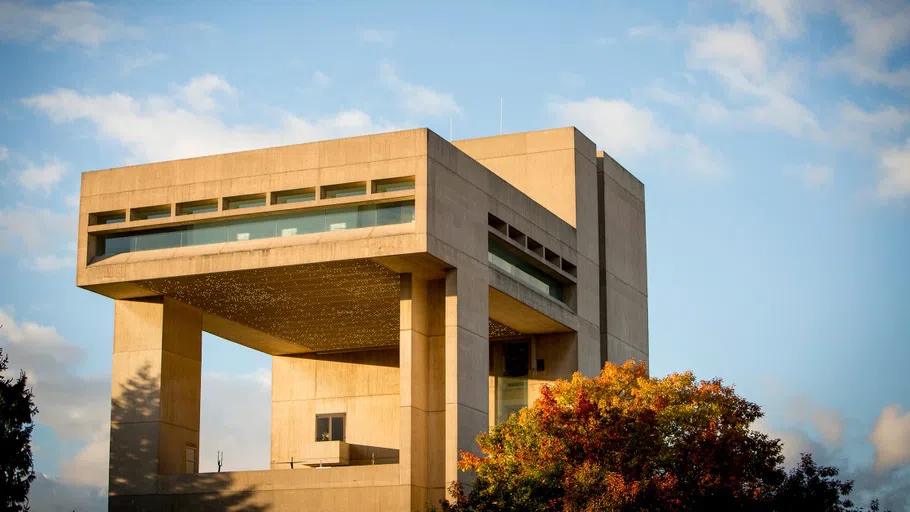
(378, 36)
(55, 495)
(198, 92)
(631, 133)
(163, 128)
(418, 99)
(783, 16)
(828, 423)
(81, 23)
(891, 438)
(878, 30)
(76, 407)
(43, 239)
(321, 79)
(887, 119)
(43, 177)
(894, 172)
(743, 62)
(4, 154)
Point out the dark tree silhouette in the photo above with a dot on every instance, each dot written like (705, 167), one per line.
(812, 487)
(17, 409)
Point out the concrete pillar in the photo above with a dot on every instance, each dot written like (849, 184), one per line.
(155, 392)
(467, 360)
(414, 369)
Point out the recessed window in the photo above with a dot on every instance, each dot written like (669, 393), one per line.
(520, 267)
(516, 235)
(294, 196)
(393, 184)
(194, 207)
(283, 224)
(152, 212)
(236, 203)
(551, 256)
(107, 218)
(497, 223)
(569, 267)
(191, 458)
(535, 247)
(344, 190)
(330, 427)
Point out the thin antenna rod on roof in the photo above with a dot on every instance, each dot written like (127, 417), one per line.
(500, 115)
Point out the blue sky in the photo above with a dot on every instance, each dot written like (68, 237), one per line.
(773, 138)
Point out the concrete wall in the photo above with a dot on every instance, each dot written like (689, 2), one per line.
(155, 392)
(363, 385)
(624, 282)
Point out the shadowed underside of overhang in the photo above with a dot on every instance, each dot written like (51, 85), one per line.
(338, 305)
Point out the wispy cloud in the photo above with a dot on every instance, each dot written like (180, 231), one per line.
(43, 239)
(320, 79)
(891, 438)
(4, 153)
(42, 177)
(418, 99)
(878, 30)
(186, 123)
(628, 132)
(79, 23)
(378, 36)
(198, 94)
(894, 172)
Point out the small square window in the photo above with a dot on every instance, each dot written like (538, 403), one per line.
(330, 427)
(344, 190)
(107, 218)
(194, 207)
(294, 196)
(191, 461)
(236, 203)
(393, 184)
(153, 212)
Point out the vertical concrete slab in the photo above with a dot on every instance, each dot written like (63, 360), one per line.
(467, 365)
(155, 392)
(414, 386)
(623, 261)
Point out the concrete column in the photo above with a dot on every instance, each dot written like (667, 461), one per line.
(414, 370)
(155, 392)
(467, 359)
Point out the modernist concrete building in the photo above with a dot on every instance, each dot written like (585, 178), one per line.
(411, 292)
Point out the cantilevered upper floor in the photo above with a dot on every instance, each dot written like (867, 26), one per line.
(251, 237)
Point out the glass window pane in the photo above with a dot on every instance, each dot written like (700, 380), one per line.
(322, 428)
(301, 223)
(251, 230)
(284, 224)
(161, 240)
(338, 428)
(344, 191)
(252, 202)
(206, 234)
(295, 197)
(192, 209)
(115, 245)
(341, 218)
(396, 185)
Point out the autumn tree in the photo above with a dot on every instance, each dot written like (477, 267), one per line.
(17, 409)
(624, 441)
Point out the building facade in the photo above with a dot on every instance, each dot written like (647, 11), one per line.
(411, 291)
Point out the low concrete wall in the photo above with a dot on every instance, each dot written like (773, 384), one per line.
(361, 488)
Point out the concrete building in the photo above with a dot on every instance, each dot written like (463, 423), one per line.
(411, 292)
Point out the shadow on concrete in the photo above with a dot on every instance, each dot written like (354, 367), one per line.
(134, 480)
